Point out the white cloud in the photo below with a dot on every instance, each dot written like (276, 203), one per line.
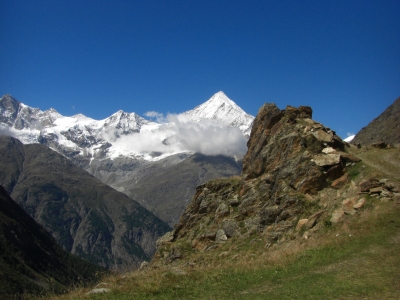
(207, 136)
(5, 130)
(179, 133)
(350, 134)
(155, 115)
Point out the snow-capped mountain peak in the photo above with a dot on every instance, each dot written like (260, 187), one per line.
(128, 134)
(220, 97)
(124, 122)
(222, 109)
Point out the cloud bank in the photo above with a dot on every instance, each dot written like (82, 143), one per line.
(181, 133)
(4, 130)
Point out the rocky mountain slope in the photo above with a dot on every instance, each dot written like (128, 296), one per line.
(291, 161)
(166, 186)
(385, 128)
(112, 149)
(85, 216)
(31, 261)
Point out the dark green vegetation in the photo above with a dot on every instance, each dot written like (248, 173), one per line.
(84, 215)
(31, 262)
(385, 127)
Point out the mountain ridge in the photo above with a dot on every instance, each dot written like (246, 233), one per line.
(30, 259)
(384, 128)
(86, 135)
(85, 216)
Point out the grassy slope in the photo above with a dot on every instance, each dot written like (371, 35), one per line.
(354, 259)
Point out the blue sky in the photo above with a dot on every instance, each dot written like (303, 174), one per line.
(342, 58)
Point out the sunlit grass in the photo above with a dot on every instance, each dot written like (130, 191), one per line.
(355, 259)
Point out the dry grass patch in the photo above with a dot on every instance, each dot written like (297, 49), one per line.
(355, 259)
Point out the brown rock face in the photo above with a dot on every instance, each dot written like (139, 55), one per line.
(286, 147)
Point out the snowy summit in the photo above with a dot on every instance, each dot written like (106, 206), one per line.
(222, 109)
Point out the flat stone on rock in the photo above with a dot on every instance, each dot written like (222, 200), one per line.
(326, 159)
(322, 136)
(366, 185)
(376, 190)
(328, 150)
(392, 186)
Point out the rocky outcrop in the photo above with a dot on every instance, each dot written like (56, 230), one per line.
(287, 149)
(289, 158)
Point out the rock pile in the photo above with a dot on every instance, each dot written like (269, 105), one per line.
(384, 189)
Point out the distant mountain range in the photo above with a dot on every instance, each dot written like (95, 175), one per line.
(128, 152)
(116, 135)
